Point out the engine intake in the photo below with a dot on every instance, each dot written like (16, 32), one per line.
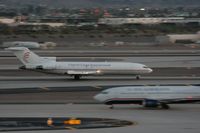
(150, 103)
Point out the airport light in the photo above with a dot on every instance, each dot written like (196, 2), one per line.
(50, 122)
(72, 122)
(98, 71)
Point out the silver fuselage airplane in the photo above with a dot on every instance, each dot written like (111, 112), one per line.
(34, 62)
(150, 96)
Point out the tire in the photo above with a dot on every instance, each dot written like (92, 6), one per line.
(138, 77)
(165, 106)
(77, 77)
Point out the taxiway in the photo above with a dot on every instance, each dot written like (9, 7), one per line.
(180, 118)
(31, 94)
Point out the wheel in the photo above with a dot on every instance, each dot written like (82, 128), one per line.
(138, 77)
(111, 107)
(76, 77)
(165, 106)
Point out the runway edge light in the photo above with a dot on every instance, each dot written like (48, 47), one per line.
(72, 122)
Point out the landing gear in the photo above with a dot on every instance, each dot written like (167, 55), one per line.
(165, 106)
(137, 77)
(111, 107)
(77, 77)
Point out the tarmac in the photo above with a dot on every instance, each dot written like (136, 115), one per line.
(151, 61)
(180, 118)
(31, 94)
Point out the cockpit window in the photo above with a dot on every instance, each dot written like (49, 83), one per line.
(104, 92)
(145, 67)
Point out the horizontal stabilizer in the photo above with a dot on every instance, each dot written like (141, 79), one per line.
(15, 49)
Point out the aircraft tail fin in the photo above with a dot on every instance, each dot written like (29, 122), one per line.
(26, 56)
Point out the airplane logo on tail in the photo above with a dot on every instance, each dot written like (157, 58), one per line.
(26, 56)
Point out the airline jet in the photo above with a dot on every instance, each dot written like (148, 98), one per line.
(150, 96)
(34, 62)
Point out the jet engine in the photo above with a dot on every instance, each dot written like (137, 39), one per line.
(49, 66)
(150, 103)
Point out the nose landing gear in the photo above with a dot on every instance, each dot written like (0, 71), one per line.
(165, 106)
(77, 77)
(111, 107)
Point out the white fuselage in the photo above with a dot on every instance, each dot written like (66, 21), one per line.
(34, 62)
(159, 93)
(95, 67)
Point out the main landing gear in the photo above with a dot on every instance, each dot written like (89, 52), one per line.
(137, 77)
(165, 106)
(111, 107)
(77, 77)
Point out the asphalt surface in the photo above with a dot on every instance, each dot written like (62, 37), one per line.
(127, 52)
(58, 123)
(99, 41)
(151, 61)
(192, 72)
(32, 94)
(24, 82)
(68, 94)
(180, 118)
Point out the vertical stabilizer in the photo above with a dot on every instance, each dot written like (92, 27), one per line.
(25, 55)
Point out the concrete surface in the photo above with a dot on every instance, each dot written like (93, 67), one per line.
(179, 119)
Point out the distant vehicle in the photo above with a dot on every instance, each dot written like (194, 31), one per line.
(31, 45)
(34, 62)
(150, 96)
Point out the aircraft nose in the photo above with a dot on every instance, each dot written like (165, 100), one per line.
(98, 97)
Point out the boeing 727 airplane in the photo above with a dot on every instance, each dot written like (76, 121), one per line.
(150, 96)
(34, 62)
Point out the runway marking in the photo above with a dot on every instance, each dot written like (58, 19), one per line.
(45, 88)
(97, 87)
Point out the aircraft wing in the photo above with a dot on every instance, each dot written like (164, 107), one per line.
(180, 100)
(172, 101)
(84, 72)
